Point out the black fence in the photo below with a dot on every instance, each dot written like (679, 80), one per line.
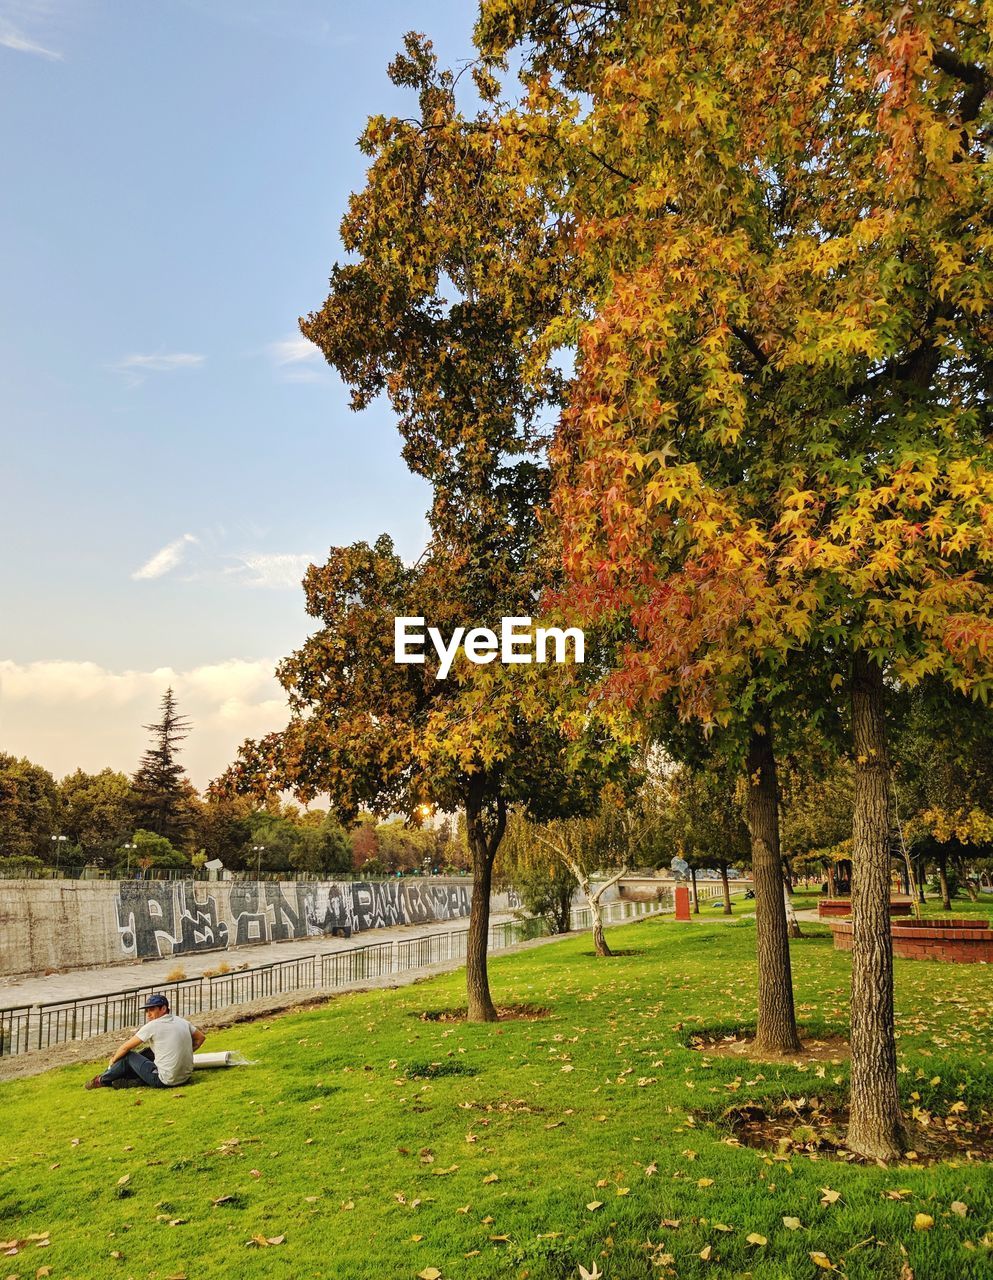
(41, 1026)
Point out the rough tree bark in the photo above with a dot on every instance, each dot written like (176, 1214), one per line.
(727, 888)
(876, 1126)
(484, 840)
(696, 896)
(776, 1032)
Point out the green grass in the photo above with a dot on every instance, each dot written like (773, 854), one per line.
(380, 1145)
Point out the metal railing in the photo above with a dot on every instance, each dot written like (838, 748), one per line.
(55, 1022)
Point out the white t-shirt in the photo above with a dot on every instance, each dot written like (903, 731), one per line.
(171, 1040)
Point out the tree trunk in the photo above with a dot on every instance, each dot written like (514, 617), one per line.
(599, 941)
(776, 1032)
(727, 888)
(946, 897)
(696, 896)
(483, 844)
(876, 1126)
(830, 879)
(921, 872)
(793, 929)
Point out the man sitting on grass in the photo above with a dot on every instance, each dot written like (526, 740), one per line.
(165, 1061)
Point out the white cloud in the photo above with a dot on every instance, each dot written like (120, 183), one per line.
(293, 350)
(279, 570)
(11, 38)
(297, 359)
(165, 559)
(161, 362)
(68, 715)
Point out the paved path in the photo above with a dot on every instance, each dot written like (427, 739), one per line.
(76, 984)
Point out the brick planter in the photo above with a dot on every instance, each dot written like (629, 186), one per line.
(953, 941)
(831, 908)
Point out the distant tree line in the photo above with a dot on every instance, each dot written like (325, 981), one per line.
(157, 819)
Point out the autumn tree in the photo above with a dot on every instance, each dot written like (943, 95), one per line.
(388, 738)
(448, 276)
(776, 455)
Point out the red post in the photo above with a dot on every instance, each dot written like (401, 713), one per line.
(682, 894)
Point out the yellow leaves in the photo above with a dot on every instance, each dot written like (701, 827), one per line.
(754, 1238)
(706, 1251)
(792, 1224)
(429, 1273)
(821, 1260)
(705, 1182)
(491, 1177)
(594, 1205)
(829, 1196)
(923, 1222)
(959, 1209)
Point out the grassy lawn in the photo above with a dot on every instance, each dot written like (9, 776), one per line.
(373, 1144)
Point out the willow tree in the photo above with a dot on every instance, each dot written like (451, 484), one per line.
(777, 456)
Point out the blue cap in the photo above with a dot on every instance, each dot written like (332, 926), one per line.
(156, 1002)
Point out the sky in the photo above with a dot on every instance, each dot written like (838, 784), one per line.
(172, 452)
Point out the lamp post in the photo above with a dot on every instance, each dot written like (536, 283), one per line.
(129, 846)
(57, 843)
(258, 850)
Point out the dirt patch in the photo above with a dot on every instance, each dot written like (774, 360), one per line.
(740, 1044)
(505, 1013)
(815, 1128)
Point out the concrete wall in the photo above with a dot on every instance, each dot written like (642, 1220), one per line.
(60, 924)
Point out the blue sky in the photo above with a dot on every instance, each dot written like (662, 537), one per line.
(171, 456)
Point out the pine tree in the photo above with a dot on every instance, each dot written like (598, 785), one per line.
(162, 788)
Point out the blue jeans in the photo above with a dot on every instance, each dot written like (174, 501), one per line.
(135, 1068)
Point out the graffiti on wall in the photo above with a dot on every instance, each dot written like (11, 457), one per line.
(163, 918)
(157, 918)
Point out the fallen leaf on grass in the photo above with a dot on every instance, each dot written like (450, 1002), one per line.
(492, 1177)
(429, 1273)
(821, 1260)
(829, 1197)
(958, 1207)
(589, 1275)
(706, 1251)
(792, 1224)
(623, 1191)
(705, 1182)
(923, 1222)
(753, 1237)
(594, 1205)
